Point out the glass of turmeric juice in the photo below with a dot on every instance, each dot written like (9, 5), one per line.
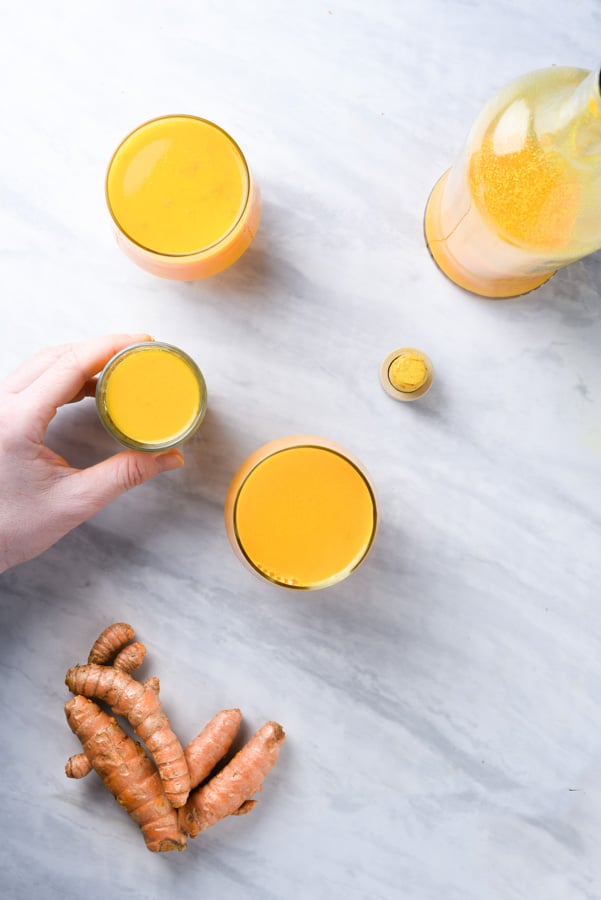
(151, 396)
(301, 513)
(182, 198)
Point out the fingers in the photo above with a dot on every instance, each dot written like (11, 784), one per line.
(32, 368)
(67, 374)
(91, 489)
(88, 390)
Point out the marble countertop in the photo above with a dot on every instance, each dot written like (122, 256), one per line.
(442, 705)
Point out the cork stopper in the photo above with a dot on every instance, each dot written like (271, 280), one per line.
(406, 374)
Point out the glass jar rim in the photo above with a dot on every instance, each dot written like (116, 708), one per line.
(280, 446)
(110, 425)
(188, 253)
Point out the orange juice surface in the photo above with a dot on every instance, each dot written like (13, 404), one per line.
(305, 517)
(152, 395)
(177, 185)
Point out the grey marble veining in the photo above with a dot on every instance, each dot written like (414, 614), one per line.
(442, 705)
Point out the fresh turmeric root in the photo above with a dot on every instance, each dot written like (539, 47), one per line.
(141, 706)
(110, 646)
(210, 746)
(130, 658)
(230, 790)
(78, 766)
(155, 796)
(107, 645)
(127, 772)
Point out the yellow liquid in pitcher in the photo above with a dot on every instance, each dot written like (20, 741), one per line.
(304, 517)
(531, 175)
(523, 198)
(531, 194)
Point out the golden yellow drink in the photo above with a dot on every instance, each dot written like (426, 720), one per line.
(151, 396)
(301, 513)
(182, 197)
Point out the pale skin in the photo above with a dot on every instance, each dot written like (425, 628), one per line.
(42, 496)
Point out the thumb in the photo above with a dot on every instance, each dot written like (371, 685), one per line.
(98, 485)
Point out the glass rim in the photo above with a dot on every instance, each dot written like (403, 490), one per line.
(190, 253)
(115, 431)
(343, 573)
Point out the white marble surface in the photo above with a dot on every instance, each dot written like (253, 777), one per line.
(443, 705)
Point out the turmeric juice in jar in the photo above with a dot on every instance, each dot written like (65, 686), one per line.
(523, 198)
(182, 197)
(301, 513)
(151, 396)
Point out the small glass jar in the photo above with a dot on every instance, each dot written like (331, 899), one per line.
(301, 513)
(182, 197)
(406, 374)
(151, 396)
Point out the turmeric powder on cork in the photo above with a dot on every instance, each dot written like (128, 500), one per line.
(406, 374)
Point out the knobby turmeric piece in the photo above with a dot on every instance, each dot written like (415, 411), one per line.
(107, 645)
(127, 772)
(245, 808)
(78, 766)
(130, 658)
(153, 684)
(154, 795)
(230, 790)
(210, 746)
(141, 706)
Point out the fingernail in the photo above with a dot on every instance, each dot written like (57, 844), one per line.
(166, 462)
(141, 336)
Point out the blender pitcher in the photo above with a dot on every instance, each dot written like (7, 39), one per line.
(524, 197)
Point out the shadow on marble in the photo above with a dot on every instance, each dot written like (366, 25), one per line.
(212, 458)
(572, 293)
(261, 274)
(77, 434)
(252, 274)
(433, 405)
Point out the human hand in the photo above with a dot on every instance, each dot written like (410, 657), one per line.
(41, 496)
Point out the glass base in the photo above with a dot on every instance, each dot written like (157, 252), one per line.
(449, 265)
(205, 263)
